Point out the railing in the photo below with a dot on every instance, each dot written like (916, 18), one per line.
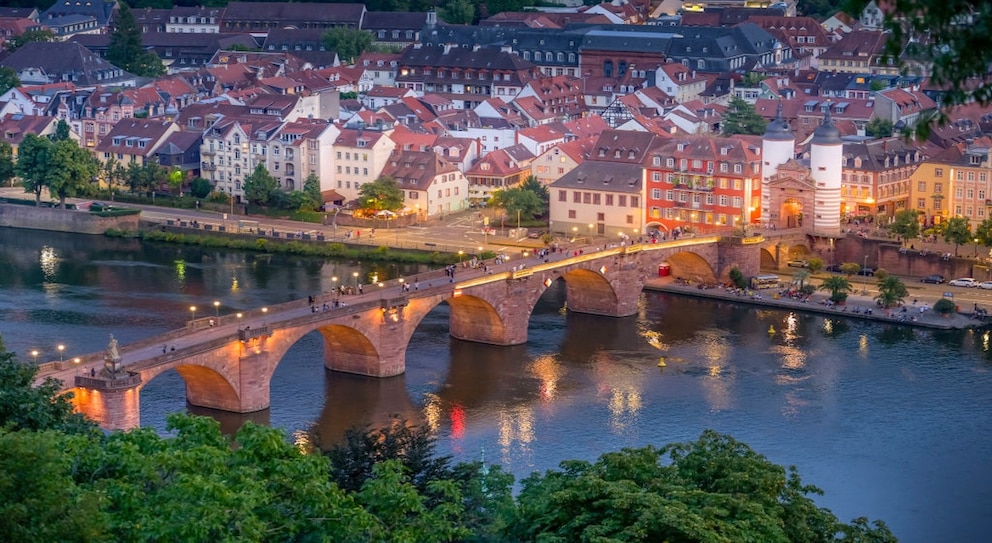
(129, 380)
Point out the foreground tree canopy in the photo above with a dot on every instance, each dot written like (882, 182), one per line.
(63, 481)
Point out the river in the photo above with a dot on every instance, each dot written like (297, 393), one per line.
(891, 422)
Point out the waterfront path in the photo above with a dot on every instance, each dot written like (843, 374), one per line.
(855, 307)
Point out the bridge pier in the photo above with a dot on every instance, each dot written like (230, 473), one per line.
(113, 403)
(612, 292)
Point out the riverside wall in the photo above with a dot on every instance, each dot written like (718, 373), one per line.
(62, 220)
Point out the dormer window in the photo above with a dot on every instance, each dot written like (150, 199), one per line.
(362, 143)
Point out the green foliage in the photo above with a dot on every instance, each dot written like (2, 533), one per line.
(41, 501)
(311, 186)
(801, 276)
(458, 12)
(742, 118)
(957, 230)
(712, 489)
(382, 194)
(838, 287)
(983, 232)
(348, 43)
(944, 307)
(126, 51)
(530, 199)
(260, 186)
(16, 42)
(61, 131)
(930, 32)
(850, 268)
(200, 187)
(71, 170)
(737, 278)
(906, 224)
(6, 162)
(33, 164)
(891, 290)
(8, 79)
(24, 406)
(879, 128)
(814, 265)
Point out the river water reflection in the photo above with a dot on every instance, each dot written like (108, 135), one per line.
(892, 422)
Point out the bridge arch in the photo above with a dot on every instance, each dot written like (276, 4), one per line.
(347, 347)
(207, 385)
(691, 266)
(472, 318)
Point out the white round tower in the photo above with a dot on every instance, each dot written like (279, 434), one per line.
(777, 147)
(826, 161)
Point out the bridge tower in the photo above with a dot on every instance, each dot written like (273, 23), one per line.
(778, 146)
(826, 161)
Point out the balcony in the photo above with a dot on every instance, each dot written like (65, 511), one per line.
(208, 166)
(207, 152)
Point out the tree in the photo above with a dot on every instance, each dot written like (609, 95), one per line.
(200, 187)
(951, 39)
(16, 42)
(906, 224)
(533, 185)
(879, 128)
(945, 307)
(24, 406)
(850, 268)
(983, 232)
(259, 186)
(957, 230)
(457, 12)
(126, 51)
(33, 164)
(742, 118)
(711, 489)
(8, 79)
(814, 265)
(71, 170)
(382, 194)
(7, 170)
(311, 186)
(348, 43)
(62, 132)
(891, 291)
(800, 276)
(837, 286)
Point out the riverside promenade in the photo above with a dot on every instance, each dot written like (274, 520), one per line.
(856, 306)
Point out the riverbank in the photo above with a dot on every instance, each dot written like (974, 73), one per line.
(856, 307)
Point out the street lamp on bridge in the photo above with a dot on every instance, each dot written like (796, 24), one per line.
(217, 308)
(34, 353)
(61, 349)
(355, 275)
(192, 312)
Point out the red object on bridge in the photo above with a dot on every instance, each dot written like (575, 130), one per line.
(664, 270)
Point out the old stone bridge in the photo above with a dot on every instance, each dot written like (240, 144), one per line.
(228, 361)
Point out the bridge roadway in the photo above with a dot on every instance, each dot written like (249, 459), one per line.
(216, 355)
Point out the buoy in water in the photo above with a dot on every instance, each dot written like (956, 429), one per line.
(771, 330)
(661, 362)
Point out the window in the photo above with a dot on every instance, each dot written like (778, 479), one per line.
(656, 176)
(609, 199)
(921, 203)
(635, 201)
(630, 219)
(596, 199)
(586, 197)
(938, 172)
(571, 213)
(601, 216)
(656, 194)
(576, 197)
(921, 186)
(669, 195)
(939, 187)
(562, 195)
(622, 200)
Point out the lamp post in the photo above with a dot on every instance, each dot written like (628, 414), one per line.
(590, 232)
(217, 308)
(34, 354)
(76, 361)
(460, 255)
(265, 313)
(61, 349)
(355, 275)
(575, 233)
(192, 312)
(238, 315)
(976, 247)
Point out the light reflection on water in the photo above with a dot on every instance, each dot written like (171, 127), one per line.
(892, 422)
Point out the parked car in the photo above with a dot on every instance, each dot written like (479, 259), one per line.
(987, 285)
(869, 272)
(797, 263)
(835, 268)
(933, 279)
(963, 282)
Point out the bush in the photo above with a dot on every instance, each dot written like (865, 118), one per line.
(737, 278)
(838, 297)
(944, 307)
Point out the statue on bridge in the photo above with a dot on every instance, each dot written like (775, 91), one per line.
(112, 359)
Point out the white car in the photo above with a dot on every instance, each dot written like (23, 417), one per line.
(963, 282)
(987, 285)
